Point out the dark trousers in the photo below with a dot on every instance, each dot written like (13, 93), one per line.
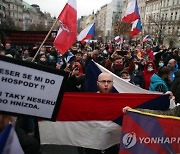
(112, 150)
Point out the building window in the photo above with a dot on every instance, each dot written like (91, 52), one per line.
(166, 17)
(175, 17)
(171, 16)
(162, 16)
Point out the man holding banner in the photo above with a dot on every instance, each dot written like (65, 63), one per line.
(105, 85)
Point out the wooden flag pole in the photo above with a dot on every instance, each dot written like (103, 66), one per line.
(44, 40)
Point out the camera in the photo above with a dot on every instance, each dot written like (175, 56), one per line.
(122, 53)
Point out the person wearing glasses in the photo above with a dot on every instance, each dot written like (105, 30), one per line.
(105, 83)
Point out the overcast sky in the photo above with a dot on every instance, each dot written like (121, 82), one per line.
(84, 7)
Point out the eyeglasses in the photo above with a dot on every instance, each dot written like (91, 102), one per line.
(105, 81)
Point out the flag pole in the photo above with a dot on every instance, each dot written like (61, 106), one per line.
(44, 40)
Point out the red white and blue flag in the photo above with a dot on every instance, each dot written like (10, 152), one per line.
(147, 38)
(84, 117)
(132, 12)
(87, 33)
(118, 39)
(67, 33)
(149, 133)
(136, 28)
(9, 142)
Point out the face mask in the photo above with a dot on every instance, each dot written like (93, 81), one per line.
(118, 66)
(136, 67)
(41, 52)
(150, 69)
(43, 59)
(51, 58)
(127, 80)
(94, 57)
(161, 64)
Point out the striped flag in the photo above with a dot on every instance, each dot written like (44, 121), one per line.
(93, 120)
(136, 28)
(132, 12)
(147, 38)
(87, 33)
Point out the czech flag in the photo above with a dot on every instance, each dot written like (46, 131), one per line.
(87, 33)
(147, 38)
(117, 39)
(9, 142)
(93, 120)
(132, 12)
(136, 28)
(67, 33)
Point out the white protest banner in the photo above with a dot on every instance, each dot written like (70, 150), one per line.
(30, 89)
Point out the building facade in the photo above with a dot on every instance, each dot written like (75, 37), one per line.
(162, 21)
(19, 15)
(113, 15)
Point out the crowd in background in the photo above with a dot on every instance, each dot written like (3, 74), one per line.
(134, 63)
(154, 68)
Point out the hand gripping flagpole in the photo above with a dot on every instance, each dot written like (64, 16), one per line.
(44, 40)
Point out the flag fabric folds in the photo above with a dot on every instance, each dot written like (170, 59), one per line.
(106, 106)
(67, 33)
(9, 142)
(147, 38)
(132, 12)
(93, 120)
(117, 39)
(87, 33)
(136, 28)
(84, 117)
(149, 133)
(121, 86)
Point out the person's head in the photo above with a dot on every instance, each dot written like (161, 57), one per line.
(26, 53)
(172, 63)
(43, 59)
(161, 63)
(43, 50)
(105, 83)
(176, 52)
(78, 56)
(165, 73)
(150, 66)
(125, 75)
(7, 46)
(118, 63)
(148, 47)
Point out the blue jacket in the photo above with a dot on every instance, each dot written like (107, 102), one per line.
(155, 80)
(173, 71)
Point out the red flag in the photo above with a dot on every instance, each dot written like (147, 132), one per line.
(149, 133)
(68, 29)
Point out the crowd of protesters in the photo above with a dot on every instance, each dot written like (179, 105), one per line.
(154, 68)
(134, 63)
